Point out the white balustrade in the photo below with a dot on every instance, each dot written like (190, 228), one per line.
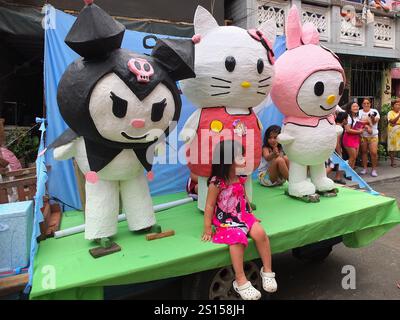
(272, 10)
(384, 32)
(319, 17)
(351, 34)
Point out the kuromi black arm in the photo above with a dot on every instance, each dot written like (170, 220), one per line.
(66, 137)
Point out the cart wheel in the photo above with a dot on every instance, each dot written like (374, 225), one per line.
(315, 255)
(217, 284)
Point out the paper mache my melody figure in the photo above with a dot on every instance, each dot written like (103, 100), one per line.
(234, 71)
(118, 104)
(309, 81)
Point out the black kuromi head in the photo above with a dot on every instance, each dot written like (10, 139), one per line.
(116, 97)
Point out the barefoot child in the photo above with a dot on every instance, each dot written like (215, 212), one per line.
(228, 209)
(274, 168)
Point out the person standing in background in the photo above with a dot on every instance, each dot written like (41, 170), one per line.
(369, 138)
(352, 132)
(394, 130)
(341, 121)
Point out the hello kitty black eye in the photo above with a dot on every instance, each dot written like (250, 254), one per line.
(157, 111)
(319, 89)
(341, 88)
(230, 63)
(260, 66)
(120, 105)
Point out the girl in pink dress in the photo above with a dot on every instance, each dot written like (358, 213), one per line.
(228, 210)
(352, 132)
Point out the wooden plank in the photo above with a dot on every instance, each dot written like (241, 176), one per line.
(46, 211)
(21, 193)
(31, 192)
(13, 284)
(21, 172)
(154, 236)
(101, 252)
(54, 224)
(18, 182)
(3, 196)
(55, 207)
(26, 189)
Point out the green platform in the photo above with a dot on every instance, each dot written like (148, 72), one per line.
(359, 217)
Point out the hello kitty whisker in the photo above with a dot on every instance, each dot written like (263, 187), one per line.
(263, 93)
(266, 85)
(224, 87)
(265, 79)
(221, 79)
(218, 94)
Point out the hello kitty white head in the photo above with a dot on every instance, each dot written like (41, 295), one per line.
(309, 79)
(233, 66)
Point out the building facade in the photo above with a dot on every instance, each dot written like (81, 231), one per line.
(368, 44)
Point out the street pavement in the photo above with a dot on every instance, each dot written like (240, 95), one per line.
(377, 267)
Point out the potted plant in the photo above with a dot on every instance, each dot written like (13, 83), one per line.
(382, 152)
(383, 123)
(24, 145)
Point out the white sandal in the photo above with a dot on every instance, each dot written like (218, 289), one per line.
(247, 291)
(268, 281)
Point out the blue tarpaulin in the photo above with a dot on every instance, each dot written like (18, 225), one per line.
(41, 174)
(62, 183)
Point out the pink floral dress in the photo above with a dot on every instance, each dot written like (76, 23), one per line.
(232, 217)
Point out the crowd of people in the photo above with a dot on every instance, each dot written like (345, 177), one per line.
(361, 134)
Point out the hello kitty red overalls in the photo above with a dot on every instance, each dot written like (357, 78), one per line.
(216, 125)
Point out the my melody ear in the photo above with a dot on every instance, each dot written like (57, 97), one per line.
(309, 34)
(293, 29)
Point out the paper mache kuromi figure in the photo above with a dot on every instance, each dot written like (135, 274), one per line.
(234, 70)
(118, 105)
(309, 81)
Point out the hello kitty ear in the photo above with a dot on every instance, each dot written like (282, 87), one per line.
(293, 29)
(203, 21)
(268, 28)
(310, 34)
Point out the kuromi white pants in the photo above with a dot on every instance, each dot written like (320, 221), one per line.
(103, 201)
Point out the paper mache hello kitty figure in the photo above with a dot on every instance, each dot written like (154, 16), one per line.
(118, 105)
(234, 71)
(309, 81)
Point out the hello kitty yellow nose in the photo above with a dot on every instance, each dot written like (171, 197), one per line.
(331, 99)
(245, 84)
